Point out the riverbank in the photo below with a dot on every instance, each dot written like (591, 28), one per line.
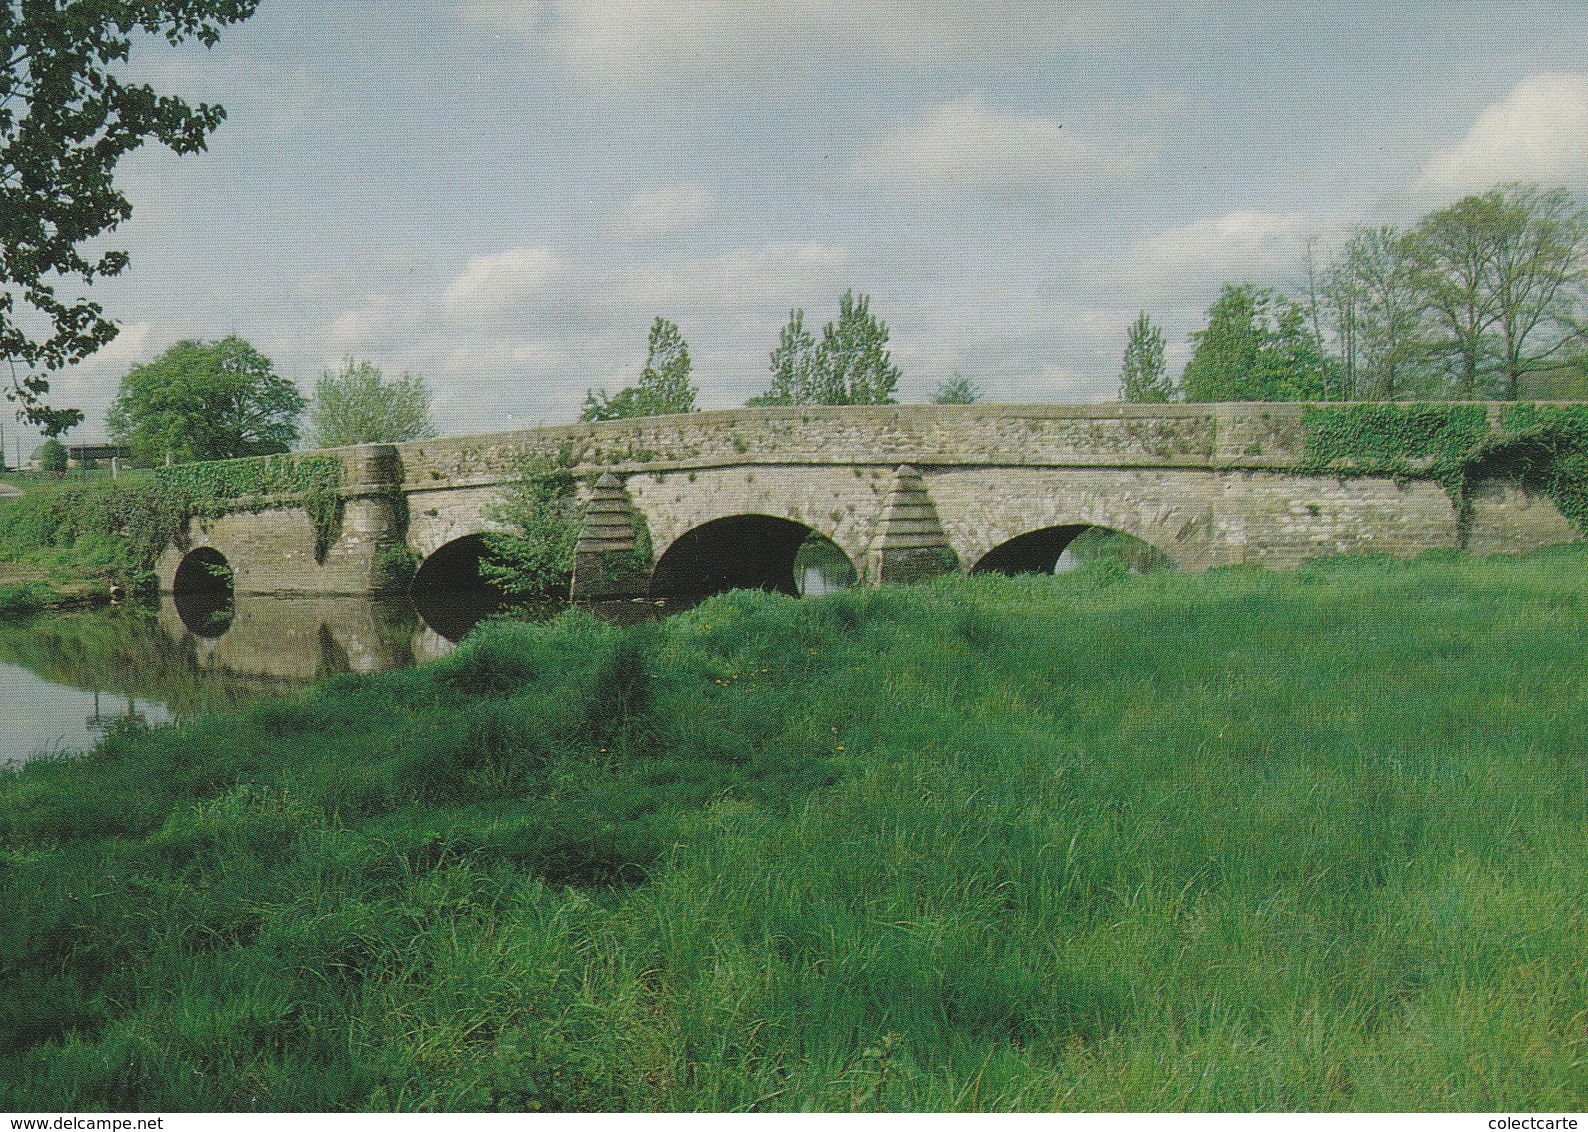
(25, 592)
(55, 549)
(1234, 841)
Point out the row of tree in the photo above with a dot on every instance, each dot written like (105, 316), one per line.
(1466, 304)
(217, 400)
(849, 365)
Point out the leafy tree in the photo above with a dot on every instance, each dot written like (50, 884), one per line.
(1538, 276)
(1142, 376)
(851, 365)
(1389, 311)
(531, 559)
(65, 122)
(1487, 290)
(1371, 301)
(957, 390)
(205, 401)
(52, 456)
(1344, 302)
(664, 382)
(1452, 257)
(793, 366)
(1256, 347)
(357, 406)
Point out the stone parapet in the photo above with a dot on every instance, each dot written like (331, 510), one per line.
(904, 490)
(1115, 435)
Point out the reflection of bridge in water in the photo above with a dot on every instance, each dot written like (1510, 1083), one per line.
(83, 673)
(300, 638)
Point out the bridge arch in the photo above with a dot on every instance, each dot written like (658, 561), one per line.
(838, 502)
(202, 570)
(449, 591)
(201, 591)
(982, 511)
(1040, 551)
(452, 567)
(754, 552)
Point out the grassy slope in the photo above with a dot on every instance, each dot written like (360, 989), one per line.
(1234, 841)
(46, 561)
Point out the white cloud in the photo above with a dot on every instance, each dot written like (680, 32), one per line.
(1538, 132)
(770, 278)
(641, 42)
(660, 211)
(1246, 244)
(366, 325)
(490, 284)
(540, 356)
(968, 145)
(129, 347)
(523, 18)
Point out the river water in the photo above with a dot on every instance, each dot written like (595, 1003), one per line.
(66, 679)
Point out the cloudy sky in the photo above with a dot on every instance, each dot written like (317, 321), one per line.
(502, 194)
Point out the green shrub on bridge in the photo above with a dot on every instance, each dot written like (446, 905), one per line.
(227, 481)
(221, 487)
(532, 559)
(1382, 435)
(1544, 448)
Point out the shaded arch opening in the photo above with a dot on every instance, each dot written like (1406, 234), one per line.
(1055, 550)
(202, 592)
(751, 552)
(450, 592)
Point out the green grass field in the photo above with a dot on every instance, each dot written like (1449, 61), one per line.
(1241, 840)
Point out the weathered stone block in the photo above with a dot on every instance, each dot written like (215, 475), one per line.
(608, 559)
(911, 545)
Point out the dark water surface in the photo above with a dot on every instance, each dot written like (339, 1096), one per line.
(67, 678)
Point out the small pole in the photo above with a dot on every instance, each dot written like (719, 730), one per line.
(115, 467)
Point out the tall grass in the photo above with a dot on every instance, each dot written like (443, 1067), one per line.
(78, 530)
(1238, 840)
(18, 602)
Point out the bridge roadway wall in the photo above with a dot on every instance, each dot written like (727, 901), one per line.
(1208, 485)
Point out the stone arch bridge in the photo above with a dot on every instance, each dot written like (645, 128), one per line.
(726, 498)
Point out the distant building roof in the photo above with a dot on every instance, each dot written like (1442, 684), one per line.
(92, 449)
